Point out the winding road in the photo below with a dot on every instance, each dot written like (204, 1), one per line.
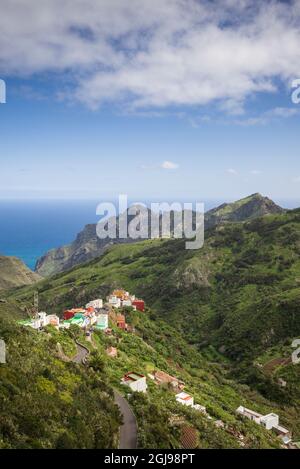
(128, 431)
(81, 355)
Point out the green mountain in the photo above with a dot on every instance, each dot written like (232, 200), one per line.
(14, 273)
(88, 246)
(239, 292)
(218, 316)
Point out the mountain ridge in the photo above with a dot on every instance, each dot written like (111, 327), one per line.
(88, 246)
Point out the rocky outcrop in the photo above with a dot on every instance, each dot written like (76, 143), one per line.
(86, 247)
(14, 273)
(194, 273)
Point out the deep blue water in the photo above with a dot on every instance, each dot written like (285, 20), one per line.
(30, 228)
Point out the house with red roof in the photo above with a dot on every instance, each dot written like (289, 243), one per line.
(185, 399)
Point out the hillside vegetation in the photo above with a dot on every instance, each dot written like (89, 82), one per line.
(215, 313)
(14, 273)
(241, 291)
(46, 402)
(88, 245)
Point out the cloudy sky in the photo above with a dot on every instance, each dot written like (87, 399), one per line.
(161, 98)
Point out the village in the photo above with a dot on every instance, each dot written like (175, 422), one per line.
(99, 315)
(95, 314)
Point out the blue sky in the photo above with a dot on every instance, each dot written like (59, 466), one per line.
(144, 118)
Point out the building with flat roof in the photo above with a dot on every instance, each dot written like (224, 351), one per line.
(269, 421)
(102, 321)
(184, 399)
(248, 413)
(136, 381)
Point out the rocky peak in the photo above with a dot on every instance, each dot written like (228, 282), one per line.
(255, 205)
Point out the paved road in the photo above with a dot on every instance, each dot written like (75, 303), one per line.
(81, 354)
(128, 431)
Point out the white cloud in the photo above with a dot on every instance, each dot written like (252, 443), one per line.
(283, 112)
(269, 116)
(154, 54)
(255, 172)
(232, 171)
(169, 165)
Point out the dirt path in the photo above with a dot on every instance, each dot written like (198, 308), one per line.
(270, 366)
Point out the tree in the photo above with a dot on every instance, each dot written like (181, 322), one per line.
(96, 361)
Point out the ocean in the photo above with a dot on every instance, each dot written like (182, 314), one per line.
(28, 228)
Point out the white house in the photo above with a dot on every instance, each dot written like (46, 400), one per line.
(114, 301)
(42, 320)
(184, 399)
(269, 421)
(95, 304)
(250, 414)
(135, 381)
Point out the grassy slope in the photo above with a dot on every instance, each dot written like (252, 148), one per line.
(48, 403)
(157, 346)
(226, 209)
(70, 395)
(240, 293)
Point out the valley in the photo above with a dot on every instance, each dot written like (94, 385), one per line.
(215, 318)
